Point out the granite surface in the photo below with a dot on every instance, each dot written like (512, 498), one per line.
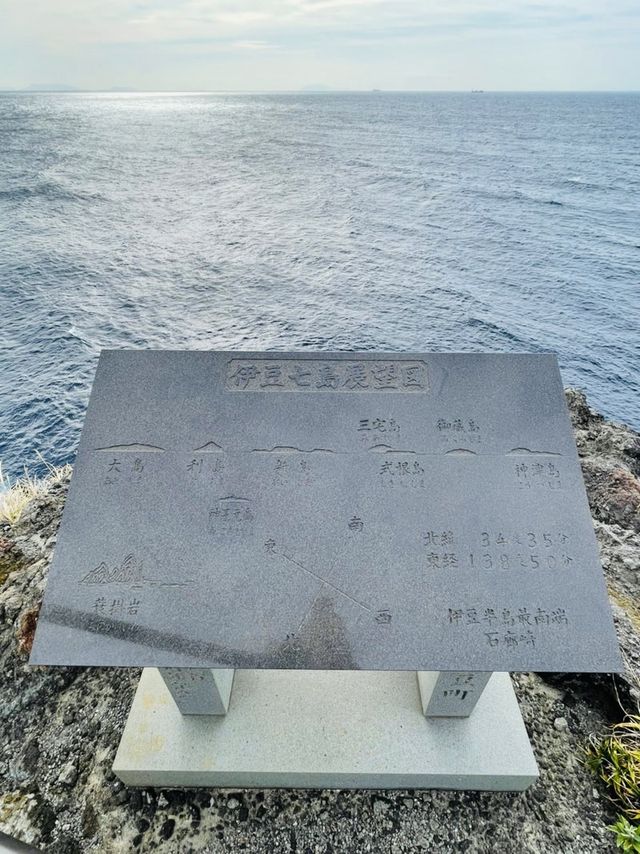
(370, 511)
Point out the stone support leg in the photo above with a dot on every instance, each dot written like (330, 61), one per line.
(450, 694)
(197, 691)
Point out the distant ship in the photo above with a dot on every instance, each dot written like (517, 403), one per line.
(477, 91)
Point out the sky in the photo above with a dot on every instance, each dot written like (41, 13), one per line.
(335, 44)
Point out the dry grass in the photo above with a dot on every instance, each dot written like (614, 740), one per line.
(15, 496)
(616, 760)
(628, 606)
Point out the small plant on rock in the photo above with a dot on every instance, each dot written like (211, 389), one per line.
(627, 835)
(615, 758)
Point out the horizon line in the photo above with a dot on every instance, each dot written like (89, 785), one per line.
(124, 90)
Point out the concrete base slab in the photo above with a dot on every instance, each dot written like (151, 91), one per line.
(326, 729)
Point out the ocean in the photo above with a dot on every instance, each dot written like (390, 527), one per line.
(456, 222)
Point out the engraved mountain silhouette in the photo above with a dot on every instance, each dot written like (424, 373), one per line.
(129, 571)
(99, 575)
(208, 448)
(138, 447)
(516, 452)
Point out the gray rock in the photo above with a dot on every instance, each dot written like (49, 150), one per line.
(381, 807)
(31, 755)
(68, 774)
(121, 797)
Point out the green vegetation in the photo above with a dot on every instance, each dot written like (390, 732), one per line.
(615, 758)
(627, 835)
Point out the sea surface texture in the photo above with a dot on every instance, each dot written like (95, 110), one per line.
(495, 222)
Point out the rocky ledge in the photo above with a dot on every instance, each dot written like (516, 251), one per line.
(60, 727)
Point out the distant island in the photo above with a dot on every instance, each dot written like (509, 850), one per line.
(51, 87)
(317, 87)
(65, 87)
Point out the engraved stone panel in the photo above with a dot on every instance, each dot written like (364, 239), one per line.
(416, 511)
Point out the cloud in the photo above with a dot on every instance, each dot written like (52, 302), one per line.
(253, 45)
(341, 42)
(128, 21)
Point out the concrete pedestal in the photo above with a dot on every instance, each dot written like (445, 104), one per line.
(325, 729)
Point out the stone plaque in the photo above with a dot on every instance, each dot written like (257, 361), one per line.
(373, 511)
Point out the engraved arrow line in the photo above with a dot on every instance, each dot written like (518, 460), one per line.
(323, 581)
(307, 612)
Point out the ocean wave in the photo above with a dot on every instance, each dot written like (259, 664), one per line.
(511, 195)
(50, 191)
(493, 331)
(579, 183)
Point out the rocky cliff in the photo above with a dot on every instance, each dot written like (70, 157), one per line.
(59, 728)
